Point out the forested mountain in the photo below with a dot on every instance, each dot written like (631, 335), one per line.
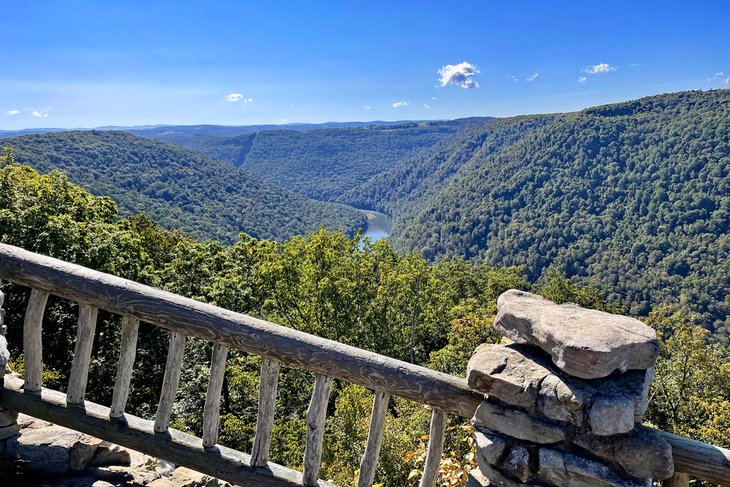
(324, 163)
(405, 187)
(325, 283)
(180, 188)
(633, 198)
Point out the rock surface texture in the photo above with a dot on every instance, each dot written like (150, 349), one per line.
(55, 456)
(583, 342)
(571, 421)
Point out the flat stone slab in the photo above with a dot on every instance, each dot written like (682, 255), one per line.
(517, 424)
(584, 343)
(642, 453)
(523, 376)
(569, 470)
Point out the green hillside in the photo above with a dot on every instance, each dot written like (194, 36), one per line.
(405, 187)
(324, 163)
(633, 198)
(179, 188)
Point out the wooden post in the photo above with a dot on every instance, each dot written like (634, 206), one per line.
(678, 480)
(125, 366)
(211, 411)
(375, 439)
(267, 405)
(170, 382)
(32, 340)
(435, 448)
(82, 355)
(316, 415)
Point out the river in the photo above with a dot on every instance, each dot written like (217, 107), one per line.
(379, 225)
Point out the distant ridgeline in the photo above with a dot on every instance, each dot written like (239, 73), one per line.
(180, 188)
(631, 198)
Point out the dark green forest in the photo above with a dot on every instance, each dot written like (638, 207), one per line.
(180, 188)
(632, 198)
(326, 283)
(324, 163)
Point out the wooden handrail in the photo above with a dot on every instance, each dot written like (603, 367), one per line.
(329, 359)
(237, 331)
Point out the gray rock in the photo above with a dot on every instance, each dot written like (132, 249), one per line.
(516, 424)
(9, 431)
(82, 452)
(498, 478)
(517, 463)
(523, 376)
(110, 454)
(611, 416)
(490, 446)
(477, 479)
(584, 343)
(642, 453)
(569, 470)
(8, 417)
(4, 355)
(46, 450)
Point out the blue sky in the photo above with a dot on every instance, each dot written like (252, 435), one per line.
(86, 64)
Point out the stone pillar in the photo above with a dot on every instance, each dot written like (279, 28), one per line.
(563, 404)
(9, 428)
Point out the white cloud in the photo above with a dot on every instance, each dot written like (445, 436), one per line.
(512, 77)
(434, 98)
(12, 112)
(426, 106)
(582, 79)
(400, 104)
(533, 77)
(236, 97)
(38, 114)
(601, 68)
(722, 77)
(459, 74)
(367, 107)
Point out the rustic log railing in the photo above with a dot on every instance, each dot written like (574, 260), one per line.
(228, 330)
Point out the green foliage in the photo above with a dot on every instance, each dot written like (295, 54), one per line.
(691, 394)
(179, 188)
(324, 163)
(633, 199)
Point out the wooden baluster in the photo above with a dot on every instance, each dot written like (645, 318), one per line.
(211, 411)
(375, 438)
(82, 354)
(316, 415)
(170, 382)
(267, 405)
(32, 340)
(435, 448)
(678, 480)
(125, 366)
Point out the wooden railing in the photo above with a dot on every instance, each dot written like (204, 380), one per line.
(228, 330)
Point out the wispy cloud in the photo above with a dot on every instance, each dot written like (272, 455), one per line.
(722, 77)
(601, 68)
(533, 77)
(582, 79)
(400, 104)
(38, 114)
(426, 106)
(367, 107)
(461, 74)
(12, 112)
(512, 77)
(236, 97)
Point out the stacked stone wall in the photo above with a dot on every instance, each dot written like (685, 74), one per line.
(563, 402)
